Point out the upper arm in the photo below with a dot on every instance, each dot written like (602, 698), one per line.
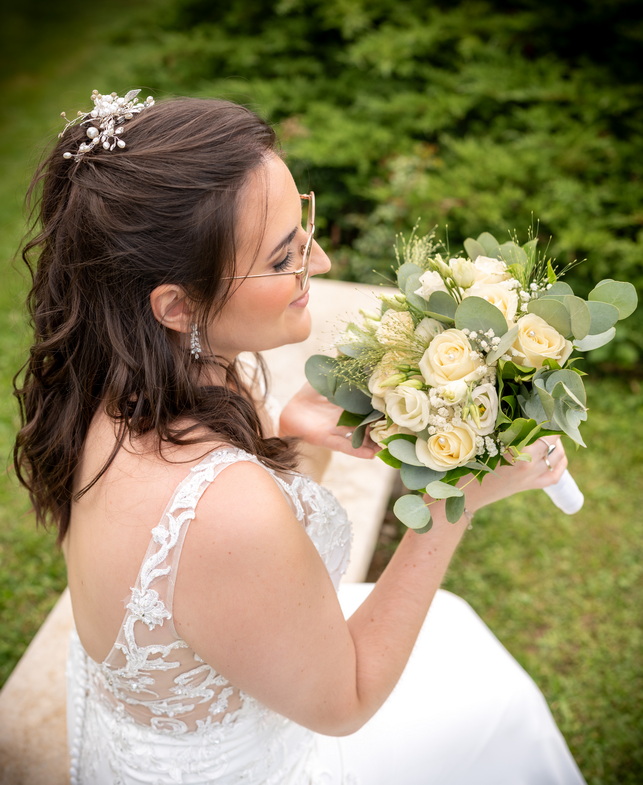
(255, 601)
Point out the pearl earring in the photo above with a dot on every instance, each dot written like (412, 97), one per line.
(195, 343)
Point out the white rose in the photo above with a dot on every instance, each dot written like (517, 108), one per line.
(447, 449)
(427, 329)
(463, 271)
(408, 407)
(537, 341)
(449, 359)
(485, 399)
(454, 392)
(381, 431)
(498, 294)
(431, 282)
(490, 270)
(394, 327)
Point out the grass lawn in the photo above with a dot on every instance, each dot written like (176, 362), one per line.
(562, 593)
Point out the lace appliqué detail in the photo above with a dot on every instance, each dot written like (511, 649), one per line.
(152, 682)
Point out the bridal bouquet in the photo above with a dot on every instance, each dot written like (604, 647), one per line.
(467, 364)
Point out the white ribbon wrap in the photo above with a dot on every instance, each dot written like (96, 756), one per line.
(566, 495)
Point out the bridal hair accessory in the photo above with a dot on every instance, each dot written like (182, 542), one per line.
(104, 121)
(195, 342)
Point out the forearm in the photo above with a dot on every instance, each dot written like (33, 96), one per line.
(386, 626)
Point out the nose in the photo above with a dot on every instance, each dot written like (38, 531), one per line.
(319, 261)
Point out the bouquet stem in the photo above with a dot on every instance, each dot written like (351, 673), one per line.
(566, 495)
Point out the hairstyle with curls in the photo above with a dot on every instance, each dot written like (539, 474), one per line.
(108, 229)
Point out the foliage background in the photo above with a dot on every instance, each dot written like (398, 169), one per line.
(471, 113)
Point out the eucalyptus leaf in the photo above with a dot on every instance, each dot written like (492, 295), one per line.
(595, 341)
(442, 490)
(385, 456)
(405, 271)
(475, 313)
(474, 249)
(477, 466)
(413, 512)
(442, 304)
(554, 313)
(580, 316)
(621, 294)
(505, 342)
(321, 373)
(490, 245)
(513, 254)
(454, 508)
(357, 438)
(559, 290)
(411, 285)
(351, 349)
(603, 317)
(352, 399)
(403, 450)
(416, 478)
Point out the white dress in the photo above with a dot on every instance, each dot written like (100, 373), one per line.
(153, 712)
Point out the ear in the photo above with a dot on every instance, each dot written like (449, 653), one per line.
(171, 307)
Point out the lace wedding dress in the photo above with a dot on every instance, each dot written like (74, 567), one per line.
(154, 712)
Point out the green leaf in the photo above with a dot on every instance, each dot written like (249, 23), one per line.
(321, 373)
(505, 342)
(413, 512)
(559, 290)
(442, 305)
(621, 294)
(603, 317)
(388, 459)
(404, 451)
(411, 285)
(475, 313)
(595, 341)
(513, 254)
(454, 508)
(474, 249)
(405, 271)
(349, 419)
(416, 478)
(490, 245)
(477, 466)
(554, 313)
(579, 315)
(352, 399)
(442, 490)
(518, 432)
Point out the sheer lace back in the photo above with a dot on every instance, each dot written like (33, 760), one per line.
(151, 674)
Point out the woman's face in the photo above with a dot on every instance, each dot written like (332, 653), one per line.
(271, 311)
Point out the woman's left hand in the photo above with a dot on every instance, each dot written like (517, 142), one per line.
(313, 418)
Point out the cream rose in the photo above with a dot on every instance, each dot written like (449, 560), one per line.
(431, 282)
(485, 399)
(449, 358)
(381, 431)
(537, 341)
(408, 407)
(490, 270)
(454, 392)
(394, 327)
(447, 449)
(427, 329)
(384, 370)
(498, 294)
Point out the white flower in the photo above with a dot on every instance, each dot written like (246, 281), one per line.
(427, 329)
(454, 392)
(490, 270)
(431, 282)
(463, 271)
(446, 450)
(537, 341)
(381, 431)
(504, 298)
(485, 400)
(408, 407)
(449, 358)
(394, 327)
(148, 607)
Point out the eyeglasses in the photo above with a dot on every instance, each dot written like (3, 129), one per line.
(302, 272)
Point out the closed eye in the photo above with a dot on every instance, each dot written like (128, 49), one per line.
(285, 263)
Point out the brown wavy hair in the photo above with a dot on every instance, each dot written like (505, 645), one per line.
(107, 230)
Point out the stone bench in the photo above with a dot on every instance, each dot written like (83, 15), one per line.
(33, 749)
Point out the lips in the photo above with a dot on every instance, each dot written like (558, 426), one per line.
(302, 301)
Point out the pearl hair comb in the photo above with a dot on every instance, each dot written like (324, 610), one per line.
(105, 120)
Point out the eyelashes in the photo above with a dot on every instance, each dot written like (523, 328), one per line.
(285, 263)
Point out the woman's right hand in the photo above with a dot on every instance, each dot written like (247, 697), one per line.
(520, 475)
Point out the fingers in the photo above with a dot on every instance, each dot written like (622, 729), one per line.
(341, 441)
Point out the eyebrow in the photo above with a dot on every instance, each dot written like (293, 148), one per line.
(286, 241)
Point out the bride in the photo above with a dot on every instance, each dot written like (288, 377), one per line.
(212, 644)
